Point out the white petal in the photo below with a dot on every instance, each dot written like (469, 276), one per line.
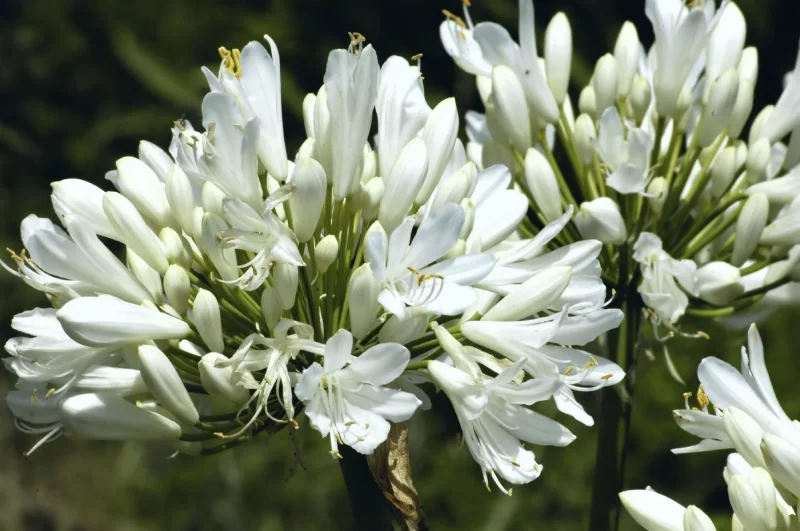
(391, 404)
(379, 365)
(653, 511)
(338, 351)
(308, 384)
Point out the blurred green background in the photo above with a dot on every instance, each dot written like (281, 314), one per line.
(82, 82)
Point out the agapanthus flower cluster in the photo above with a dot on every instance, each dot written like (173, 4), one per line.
(256, 288)
(736, 409)
(695, 217)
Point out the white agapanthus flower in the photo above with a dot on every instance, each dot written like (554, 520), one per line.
(257, 288)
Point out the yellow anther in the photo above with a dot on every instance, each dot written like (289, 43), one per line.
(295, 425)
(219, 435)
(349, 423)
(50, 392)
(695, 409)
(467, 3)
(336, 454)
(569, 370)
(687, 394)
(702, 397)
(703, 335)
(355, 41)
(455, 18)
(510, 492)
(606, 376)
(232, 60)
(17, 257)
(593, 361)
(462, 35)
(416, 57)
(35, 396)
(416, 273)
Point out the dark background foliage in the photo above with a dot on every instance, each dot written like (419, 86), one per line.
(82, 82)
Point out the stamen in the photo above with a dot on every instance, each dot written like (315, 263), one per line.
(569, 370)
(455, 18)
(702, 397)
(356, 41)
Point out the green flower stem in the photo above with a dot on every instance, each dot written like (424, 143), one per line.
(562, 183)
(310, 296)
(709, 234)
(416, 365)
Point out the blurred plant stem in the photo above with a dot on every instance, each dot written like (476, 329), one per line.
(370, 509)
(614, 426)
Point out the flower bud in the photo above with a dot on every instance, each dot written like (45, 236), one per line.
(718, 110)
(725, 44)
(286, 278)
(177, 287)
(682, 106)
(76, 196)
(640, 98)
(783, 231)
(165, 384)
(718, 283)
(363, 289)
(511, 107)
(403, 183)
(753, 499)
(604, 83)
(723, 170)
(177, 249)
(371, 196)
(585, 138)
(370, 165)
(271, 307)
(206, 318)
(218, 381)
(653, 511)
(133, 231)
(741, 108)
(558, 56)
(749, 226)
(180, 196)
(309, 103)
(745, 434)
(213, 198)
(406, 330)
(587, 102)
(696, 520)
(145, 274)
(657, 192)
(459, 249)
(439, 134)
(600, 219)
(542, 183)
(783, 461)
(532, 296)
(143, 188)
(156, 158)
(748, 65)
(224, 260)
(757, 160)
(456, 186)
(757, 126)
(322, 133)
(325, 252)
(627, 51)
(107, 416)
(308, 198)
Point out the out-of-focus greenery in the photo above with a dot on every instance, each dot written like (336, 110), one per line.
(82, 82)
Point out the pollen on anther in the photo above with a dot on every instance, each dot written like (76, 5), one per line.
(569, 370)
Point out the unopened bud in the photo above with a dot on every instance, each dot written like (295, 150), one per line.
(370, 165)
(754, 500)
(718, 283)
(696, 520)
(604, 83)
(627, 51)
(440, 134)
(180, 196)
(325, 252)
(741, 108)
(107, 416)
(308, 198)
(457, 186)
(532, 296)
(585, 138)
(783, 461)
(371, 196)
(177, 288)
(207, 320)
(587, 102)
(657, 194)
(140, 184)
(785, 230)
(682, 106)
(725, 44)
(542, 183)
(469, 217)
(745, 435)
(403, 183)
(134, 232)
(286, 278)
(558, 56)
(792, 158)
(178, 250)
(640, 98)
(145, 274)
(511, 109)
(759, 121)
(748, 65)
(271, 307)
(76, 196)
(218, 381)
(600, 219)
(723, 170)
(163, 381)
(718, 110)
(364, 289)
(406, 330)
(757, 160)
(156, 158)
(749, 227)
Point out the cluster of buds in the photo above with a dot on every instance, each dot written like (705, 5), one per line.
(695, 217)
(344, 284)
(763, 475)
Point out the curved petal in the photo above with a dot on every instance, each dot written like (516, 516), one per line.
(379, 365)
